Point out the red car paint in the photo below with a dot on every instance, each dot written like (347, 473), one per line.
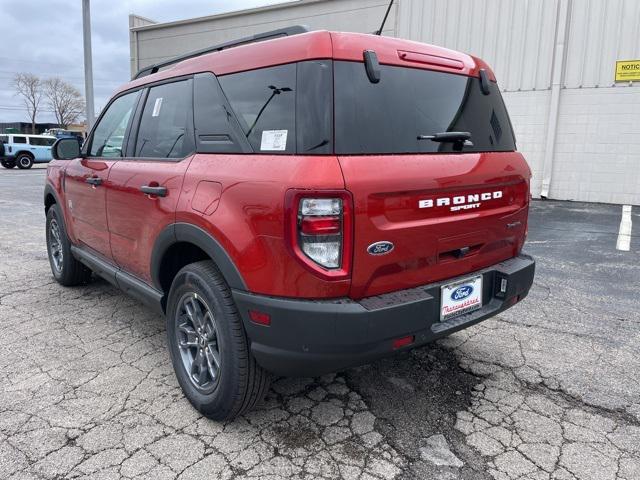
(243, 201)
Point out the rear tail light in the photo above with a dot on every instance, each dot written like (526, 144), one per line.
(320, 231)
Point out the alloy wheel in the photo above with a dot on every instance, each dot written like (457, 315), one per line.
(197, 338)
(55, 245)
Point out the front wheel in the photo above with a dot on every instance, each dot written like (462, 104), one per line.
(209, 347)
(8, 163)
(65, 268)
(24, 161)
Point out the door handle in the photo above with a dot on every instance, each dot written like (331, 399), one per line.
(157, 191)
(95, 181)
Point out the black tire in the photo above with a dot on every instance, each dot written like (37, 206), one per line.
(24, 161)
(240, 383)
(65, 268)
(8, 163)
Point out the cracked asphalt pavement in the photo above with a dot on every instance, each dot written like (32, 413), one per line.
(548, 390)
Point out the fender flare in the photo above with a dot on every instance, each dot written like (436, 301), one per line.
(186, 232)
(27, 152)
(49, 190)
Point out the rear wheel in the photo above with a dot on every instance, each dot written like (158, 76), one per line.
(65, 268)
(24, 161)
(209, 347)
(8, 163)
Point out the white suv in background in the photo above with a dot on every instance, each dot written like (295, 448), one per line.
(24, 150)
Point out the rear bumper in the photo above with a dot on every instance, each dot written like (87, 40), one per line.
(310, 338)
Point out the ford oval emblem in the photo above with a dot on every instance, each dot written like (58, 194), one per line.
(461, 293)
(380, 248)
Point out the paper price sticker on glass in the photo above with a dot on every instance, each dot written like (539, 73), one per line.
(628, 71)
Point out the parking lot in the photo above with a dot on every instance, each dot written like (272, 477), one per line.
(549, 389)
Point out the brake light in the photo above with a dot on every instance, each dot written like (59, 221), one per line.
(319, 231)
(320, 225)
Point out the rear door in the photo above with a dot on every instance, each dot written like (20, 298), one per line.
(41, 148)
(86, 178)
(144, 187)
(447, 208)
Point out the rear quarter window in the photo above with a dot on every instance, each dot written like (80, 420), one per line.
(389, 116)
(264, 102)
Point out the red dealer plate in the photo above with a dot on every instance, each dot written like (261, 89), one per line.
(461, 297)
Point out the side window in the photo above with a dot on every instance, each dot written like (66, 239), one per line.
(4, 138)
(42, 142)
(164, 130)
(108, 136)
(264, 101)
(19, 139)
(216, 127)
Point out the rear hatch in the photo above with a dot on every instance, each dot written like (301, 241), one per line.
(441, 209)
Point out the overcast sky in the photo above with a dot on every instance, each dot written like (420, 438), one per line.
(44, 37)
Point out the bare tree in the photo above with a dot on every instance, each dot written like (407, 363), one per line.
(29, 87)
(65, 100)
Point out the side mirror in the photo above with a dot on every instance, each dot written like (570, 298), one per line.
(65, 149)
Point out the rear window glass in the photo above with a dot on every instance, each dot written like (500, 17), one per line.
(19, 139)
(388, 117)
(264, 101)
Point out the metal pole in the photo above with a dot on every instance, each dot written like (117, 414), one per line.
(88, 66)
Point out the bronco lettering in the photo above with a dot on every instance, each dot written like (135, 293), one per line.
(461, 202)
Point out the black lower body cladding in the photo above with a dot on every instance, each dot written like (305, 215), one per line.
(310, 338)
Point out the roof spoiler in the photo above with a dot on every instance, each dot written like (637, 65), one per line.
(259, 37)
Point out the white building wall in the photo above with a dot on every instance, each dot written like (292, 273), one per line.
(529, 112)
(595, 156)
(598, 146)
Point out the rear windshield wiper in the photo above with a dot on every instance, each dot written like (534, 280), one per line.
(459, 139)
(447, 137)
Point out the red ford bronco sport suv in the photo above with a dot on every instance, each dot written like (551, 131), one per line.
(297, 203)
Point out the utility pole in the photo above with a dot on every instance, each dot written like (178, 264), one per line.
(88, 64)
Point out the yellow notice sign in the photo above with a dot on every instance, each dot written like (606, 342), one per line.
(628, 71)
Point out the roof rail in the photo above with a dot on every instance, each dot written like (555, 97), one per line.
(259, 37)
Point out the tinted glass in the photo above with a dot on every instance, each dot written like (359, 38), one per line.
(164, 125)
(19, 139)
(265, 103)
(216, 128)
(42, 142)
(314, 107)
(388, 117)
(108, 136)
(4, 138)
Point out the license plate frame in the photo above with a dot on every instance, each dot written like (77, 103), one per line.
(451, 307)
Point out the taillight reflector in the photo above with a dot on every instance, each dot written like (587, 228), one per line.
(260, 318)
(403, 341)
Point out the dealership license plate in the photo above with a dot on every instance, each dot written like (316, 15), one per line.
(460, 297)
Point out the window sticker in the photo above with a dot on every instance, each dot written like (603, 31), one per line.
(274, 140)
(156, 107)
